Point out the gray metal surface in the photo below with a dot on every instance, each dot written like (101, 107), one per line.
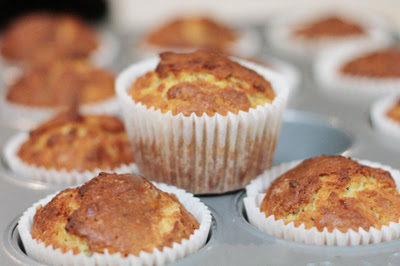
(313, 125)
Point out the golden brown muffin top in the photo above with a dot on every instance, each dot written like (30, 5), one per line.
(74, 142)
(394, 112)
(54, 83)
(42, 35)
(333, 192)
(384, 63)
(201, 82)
(331, 26)
(193, 32)
(123, 213)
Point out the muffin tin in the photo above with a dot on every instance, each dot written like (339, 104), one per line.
(313, 124)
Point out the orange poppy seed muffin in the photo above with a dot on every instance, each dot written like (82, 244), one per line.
(201, 82)
(43, 35)
(330, 26)
(193, 32)
(55, 83)
(333, 192)
(74, 142)
(384, 63)
(394, 112)
(122, 213)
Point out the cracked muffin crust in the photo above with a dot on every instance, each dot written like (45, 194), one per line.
(201, 82)
(120, 212)
(333, 192)
(74, 142)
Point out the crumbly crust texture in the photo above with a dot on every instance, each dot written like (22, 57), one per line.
(333, 192)
(193, 32)
(384, 63)
(42, 35)
(57, 83)
(122, 213)
(201, 82)
(331, 26)
(74, 142)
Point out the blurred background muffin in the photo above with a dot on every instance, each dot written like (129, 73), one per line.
(54, 83)
(192, 32)
(382, 63)
(189, 32)
(40, 36)
(304, 32)
(352, 73)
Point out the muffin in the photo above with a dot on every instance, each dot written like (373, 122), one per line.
(303, 33)
(385, 117)
(189, 33)
(331, 26)
(202, 121)
(53, 84)
(44, 35)
(383, 63)
(114, 219)
(329, 200)
(193, 32)
(359, 73)
(71, 147)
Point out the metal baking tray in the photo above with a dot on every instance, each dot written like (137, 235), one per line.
(312, 125)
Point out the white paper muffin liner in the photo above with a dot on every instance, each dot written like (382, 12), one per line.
(281, 26)
(255, 195)
(380, 121)
(48, 255)
(202, 154)
(248, 44)
(350, 87)
(26, 170)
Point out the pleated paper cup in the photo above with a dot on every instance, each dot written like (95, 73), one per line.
(255, 195)
(51, 256)
(40, 173)
(279, 32)
(345, 87)
(248, 44)
(380, 121)
(202, 154)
